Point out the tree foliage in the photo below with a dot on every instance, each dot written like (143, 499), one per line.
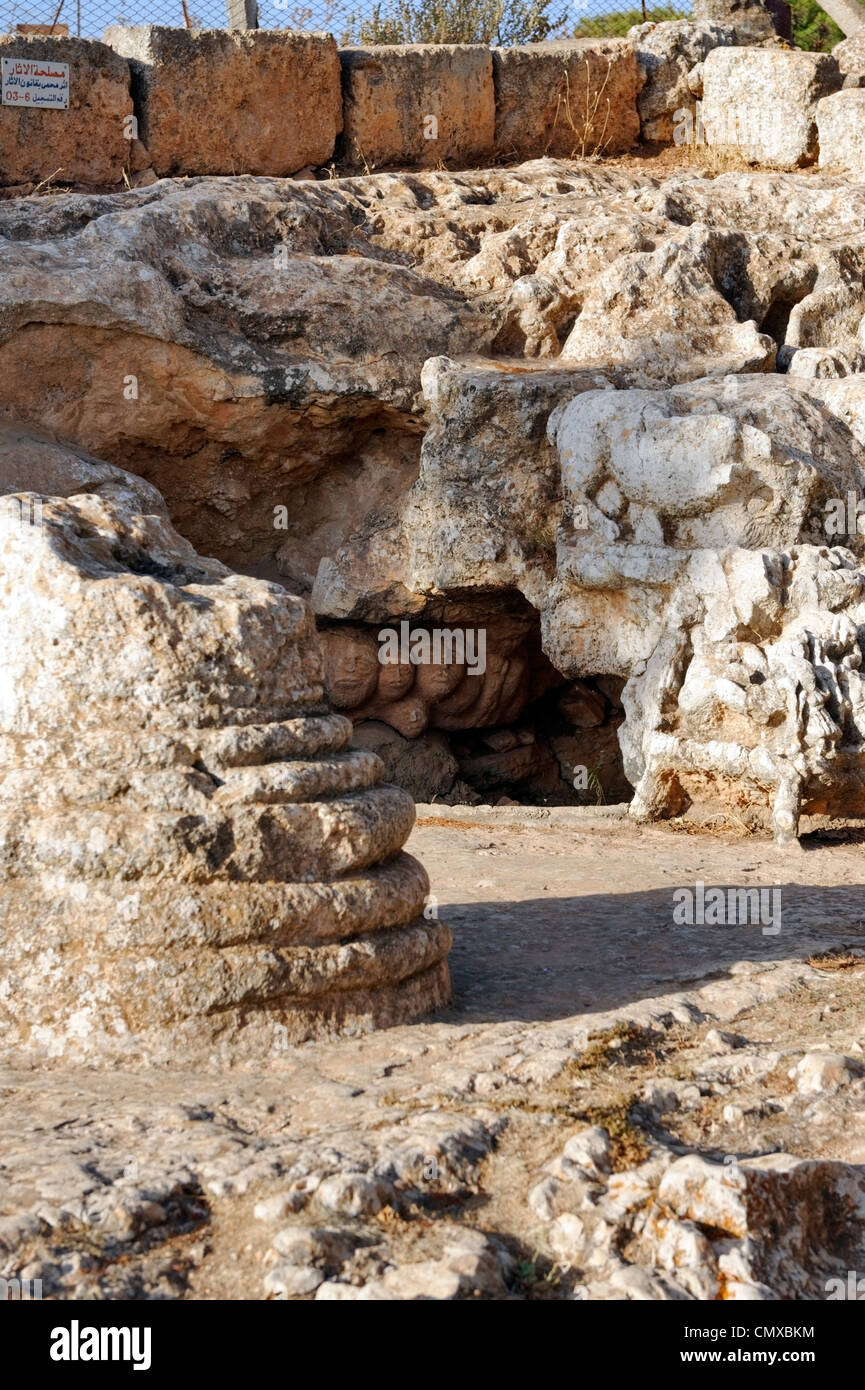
(616, 23)
(812, 27)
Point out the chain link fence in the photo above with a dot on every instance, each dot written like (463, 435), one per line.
(351, 21)
(392, 21)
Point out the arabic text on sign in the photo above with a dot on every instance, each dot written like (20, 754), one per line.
(37, 82)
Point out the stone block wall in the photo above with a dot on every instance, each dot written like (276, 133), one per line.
(261, 102)
(762, 103)
(566, 99)
(84, 144)
(419, 104)
(154, 102)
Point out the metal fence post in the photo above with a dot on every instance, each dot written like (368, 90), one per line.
(242, 14)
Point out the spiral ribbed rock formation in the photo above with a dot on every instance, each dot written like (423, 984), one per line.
(192, 862)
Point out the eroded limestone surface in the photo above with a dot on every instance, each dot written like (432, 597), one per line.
(590, 390)
(277, 330)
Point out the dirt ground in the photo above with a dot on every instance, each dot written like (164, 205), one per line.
(577, 1003)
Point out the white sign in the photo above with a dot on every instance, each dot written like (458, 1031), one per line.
(35, 82)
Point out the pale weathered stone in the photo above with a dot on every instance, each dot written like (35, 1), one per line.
(821, 1072)
(220, 102)
(571, 98)
(841, 127)
(354, 1194)
(850, 54)
(773, 1214)
(590, 1150)
(669, 53)
(293, 411)
(751, 18)
(684, 327)
(762, 103)
(87, 145)
(209, 873)
(768, 698)
(418, 104)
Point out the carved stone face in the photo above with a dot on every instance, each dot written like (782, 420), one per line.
(394, 680)
(408, 716)
(434, 681)
(352, 667)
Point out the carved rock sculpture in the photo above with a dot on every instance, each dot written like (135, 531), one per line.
(434, 694)
(191, 861)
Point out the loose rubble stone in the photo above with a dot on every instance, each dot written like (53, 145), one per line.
(819, 1072)
(590, 1150)
(353, 1194)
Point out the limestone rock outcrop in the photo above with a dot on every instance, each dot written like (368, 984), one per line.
(685, 513)
(536, 358)
(193, 863)
(218, 367)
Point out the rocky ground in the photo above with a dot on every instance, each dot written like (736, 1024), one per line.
(614, 1106)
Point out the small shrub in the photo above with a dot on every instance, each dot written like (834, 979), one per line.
(499, 22)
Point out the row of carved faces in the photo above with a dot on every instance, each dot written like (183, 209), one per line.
(411, 697)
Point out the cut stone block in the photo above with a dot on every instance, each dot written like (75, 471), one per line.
(261, 102)
(850, 54)
(85, 145)
(841, 125)
(418, 104)
(567, 98)
(762, 102)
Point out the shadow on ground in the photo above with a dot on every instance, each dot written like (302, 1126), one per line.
(542, 959)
